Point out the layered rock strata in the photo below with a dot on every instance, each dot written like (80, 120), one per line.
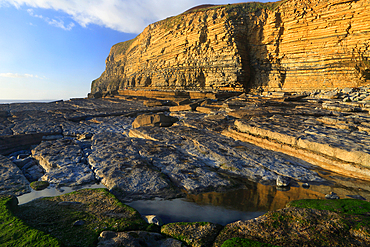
(288, 45)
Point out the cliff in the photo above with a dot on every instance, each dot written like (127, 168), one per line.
(289, 45)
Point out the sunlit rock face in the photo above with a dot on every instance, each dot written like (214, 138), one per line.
(289, 45)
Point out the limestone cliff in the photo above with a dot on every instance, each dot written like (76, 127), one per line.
(287, 45)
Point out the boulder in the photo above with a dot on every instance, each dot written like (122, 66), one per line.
(12, 181)
(283, 181)
(153, 219)
(159, 119)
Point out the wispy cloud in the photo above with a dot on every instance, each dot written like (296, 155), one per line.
(57, 23)
(16, 75)
(122, 15)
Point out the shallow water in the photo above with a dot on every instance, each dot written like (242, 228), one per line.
(9, 101)
(225, 207)
(52, 191)
(184, 210)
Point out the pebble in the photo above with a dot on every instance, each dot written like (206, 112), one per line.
(332, 196)
(282, 181)
(78, 223)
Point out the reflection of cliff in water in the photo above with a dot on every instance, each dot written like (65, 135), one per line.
(257, 197)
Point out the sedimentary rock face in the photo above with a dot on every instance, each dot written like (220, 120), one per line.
(289, 45)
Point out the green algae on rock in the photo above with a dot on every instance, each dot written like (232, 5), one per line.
(15, 232)
(97, 208)
(243, 242)
(39, 185)
(342, 206)
(193, 233)
(296, 226)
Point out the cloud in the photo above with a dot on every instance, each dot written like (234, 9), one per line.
(129, 16)
(57, 23)
(15, 75)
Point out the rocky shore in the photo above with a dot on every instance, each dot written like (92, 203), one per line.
(169, 146)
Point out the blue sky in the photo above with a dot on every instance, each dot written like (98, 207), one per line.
(53, 49)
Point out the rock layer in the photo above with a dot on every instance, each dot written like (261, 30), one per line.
(289, 45)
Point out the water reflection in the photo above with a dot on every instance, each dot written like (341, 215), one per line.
(53, 191)
(256, 198)
(182, 210)
(230, 206)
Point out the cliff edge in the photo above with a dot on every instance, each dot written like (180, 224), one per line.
(292, 45)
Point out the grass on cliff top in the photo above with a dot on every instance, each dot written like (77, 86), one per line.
(14, 232)
(233, 11)
(245, 7)
(122, 47)
(238, 8)
(96, 208)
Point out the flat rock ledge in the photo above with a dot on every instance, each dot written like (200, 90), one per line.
(139, 149)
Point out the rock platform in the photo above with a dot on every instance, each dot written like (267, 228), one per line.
(214, 145)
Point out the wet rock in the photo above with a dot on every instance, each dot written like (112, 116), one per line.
(194, 234)
(153, 219)
(154, 120)
(39, 185)
(136, 239)
(332, 196)
(12, 181)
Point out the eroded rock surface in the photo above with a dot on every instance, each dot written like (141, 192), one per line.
(227, 155)
(63, 162)
(12, 180)
(222, 142)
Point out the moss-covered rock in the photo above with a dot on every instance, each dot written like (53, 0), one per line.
(96, 208)
(39, 185)
(301, 227)
(344, 206)
(194, 233)
(243, 242)
(14, 232)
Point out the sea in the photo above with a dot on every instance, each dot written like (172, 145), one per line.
(10, 101)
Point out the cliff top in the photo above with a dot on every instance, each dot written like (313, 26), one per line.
(231, 9)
